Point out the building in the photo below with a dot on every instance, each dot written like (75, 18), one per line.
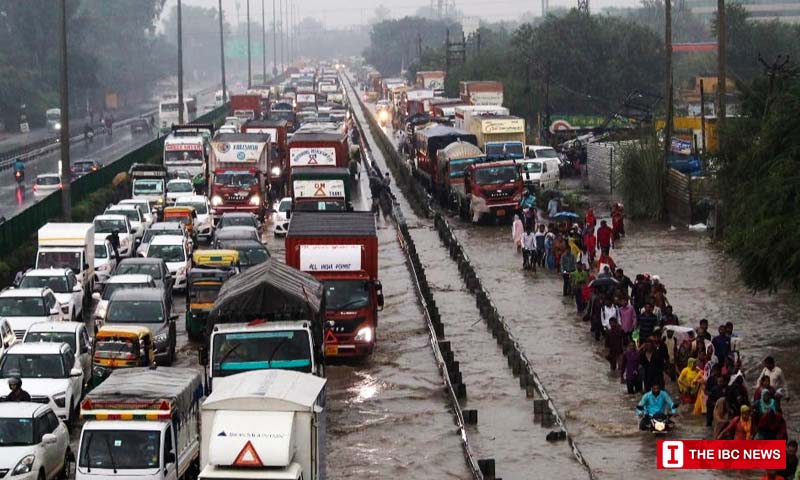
(765, 10)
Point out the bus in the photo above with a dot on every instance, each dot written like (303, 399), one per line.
(168, 112)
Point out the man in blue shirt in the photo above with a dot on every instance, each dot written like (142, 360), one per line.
(722, 344)
(654, 402)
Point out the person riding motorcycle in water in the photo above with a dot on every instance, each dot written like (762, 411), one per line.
(653, 403)
(19, 166)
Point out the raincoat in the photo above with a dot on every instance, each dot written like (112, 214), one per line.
(516, 232)
(687, 381)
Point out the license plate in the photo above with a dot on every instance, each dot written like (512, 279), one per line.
(331, 350)
(500, 212)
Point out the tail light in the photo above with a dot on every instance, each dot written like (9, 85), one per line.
(35, 188)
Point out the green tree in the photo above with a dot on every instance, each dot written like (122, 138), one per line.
(393, 43)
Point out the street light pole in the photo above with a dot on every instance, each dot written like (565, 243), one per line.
(280, 17)
(66, 198)
(249, 58)
(180, 65)
(263, 45)
(222, 55)
(274, 42)
(668, 94)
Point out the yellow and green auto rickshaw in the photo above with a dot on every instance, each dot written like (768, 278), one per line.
(120, 347)
(210, 269)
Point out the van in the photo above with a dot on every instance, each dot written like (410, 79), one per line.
(540, 168)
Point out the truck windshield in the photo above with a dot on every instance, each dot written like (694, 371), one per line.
(52, 337)
(504, 150)
(16, 432)
(120, 449)
(458, 166)
(31, 365)
(108, 226)
(56, 283)
(195, 156)
(346, 294)
(50, 259)
(237, 352)
(148, 187)
(22, 307)
(496, 175)
(133, 311)
(546, 153)
(235, 179)
(179, 187)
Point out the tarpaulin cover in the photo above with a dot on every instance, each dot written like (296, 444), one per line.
(264, 290)
(146, 386)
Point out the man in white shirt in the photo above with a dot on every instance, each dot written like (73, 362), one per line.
(608, 312)
(528, 250)
(776, 379)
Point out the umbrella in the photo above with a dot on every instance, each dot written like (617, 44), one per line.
(566, 215)
(602, 282)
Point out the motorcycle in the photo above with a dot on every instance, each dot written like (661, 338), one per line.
(660, 424)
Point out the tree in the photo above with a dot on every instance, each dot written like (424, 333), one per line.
(381, 13)
(393, 43)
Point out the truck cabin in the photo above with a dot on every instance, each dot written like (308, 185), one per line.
(318, 189)
(504, 151)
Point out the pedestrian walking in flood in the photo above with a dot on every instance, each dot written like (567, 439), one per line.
(567, 264)
(604, 238)
(528, 250)
(578, 279)
(629, 370)
(615, 343)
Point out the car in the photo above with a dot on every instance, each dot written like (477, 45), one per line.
(238, 219)
(23, 307)
(155, 267)
(178, 188)
(140, 126)
(160, 228)
(251, 252)
(144, 206)
(104, 261)
(34, 443)
(280, 217)
(105, 225)
(48, 374)
(7, 337)
(235, 233)
(45, 184)
(174, 250)
(81, 167)
(62, 281)
(73, 334)
(134, 216)
(146, 307)
(115, 283)
(204, 224)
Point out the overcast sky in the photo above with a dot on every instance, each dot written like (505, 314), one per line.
(339, 13)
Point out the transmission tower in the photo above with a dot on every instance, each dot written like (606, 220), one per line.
(583, 6)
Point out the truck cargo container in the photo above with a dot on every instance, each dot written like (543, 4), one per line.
(70, 245)
(321, 189)
(431, 80)
(465, 112)
(341, 251)
(238, 173)
(318, 148)
(246, 106)
(481, 92)
(453, 160)
(499, 136)
(429, 141)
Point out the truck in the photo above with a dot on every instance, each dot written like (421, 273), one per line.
(318, 148)
(142, 423)
(321, 189)
(279, 154)
(185, 153)
(238, 167)
(499, 136)
(69, 245)
(491, 190)
(305, 98)
(453, 160)
(340, 249)
(265, 425)
(429, 141)
(464, 113)
(149, 182)
(431, 80)
(417, 101)
(246, 106)
(483, 92)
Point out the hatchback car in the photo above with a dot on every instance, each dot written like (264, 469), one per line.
(45, 184)
(135, 217)
(155, 267)
(160, 228)
(204, 224)
(178, 188)
(80, 168)
(251, 252)
(73, 334)
(146, 307)
(23, 307)
(174, 250)
(62, 281)
(144, 207)
(235, 233)
(113, 284)
(238, 219)
(140, 126)
(280, 216)
(104, 225)
(34, 444)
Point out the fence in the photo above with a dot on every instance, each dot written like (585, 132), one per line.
(684, 194)
(17, 230)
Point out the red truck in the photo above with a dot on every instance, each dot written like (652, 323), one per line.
(491, 190)
(323, 148)
(340, 249)
(279, 152)
(239, 179)
(246, 106)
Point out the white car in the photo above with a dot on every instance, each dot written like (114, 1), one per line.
(73, 334)
(204, 223)
(174, 250)
(45, 184)
(62, 281)
(105, 225)
(23, 307)
(134, 215)
(179, 188)
(104, 261)
(144, 207)
(34, 443)
(114, 283)
(48, 374)
(280, 216)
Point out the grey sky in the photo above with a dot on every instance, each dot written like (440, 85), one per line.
(339, 13)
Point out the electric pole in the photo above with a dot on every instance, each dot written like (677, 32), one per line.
(180, 65)
(66, 198)
(721, 74)
(280, 24)
(249, 56)
(274, 42)
(668, 79)
(222, 55)
(263, 45)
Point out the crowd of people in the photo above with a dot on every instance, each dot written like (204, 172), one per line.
(645, 341)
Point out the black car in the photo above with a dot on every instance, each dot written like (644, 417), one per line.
(155, 267)
(146, 307)
(80, 168)
(140, 126)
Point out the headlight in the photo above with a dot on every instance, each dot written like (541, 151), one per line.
(60, 399)
(57, 126)
(24, 466)
(161, 337)
(275, 171)
(659, 426)
(160, 200)
(364, 335)
(255, 200)
(216, 200)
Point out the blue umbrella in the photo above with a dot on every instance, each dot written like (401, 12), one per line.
(566, 215)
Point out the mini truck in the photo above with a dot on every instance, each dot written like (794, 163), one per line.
(239, 164)
(69, 245)
(149, 182)
(265, 425)
(142, 423)
(321, 189)
(340, 249)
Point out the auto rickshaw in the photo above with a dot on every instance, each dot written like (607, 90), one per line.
(120, 347)
(184, 214)
(210, 269)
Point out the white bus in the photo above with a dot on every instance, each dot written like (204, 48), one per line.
(168, 112)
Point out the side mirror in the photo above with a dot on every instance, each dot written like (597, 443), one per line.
(202, 356)
(173, 318)
(49, 439)
(96, 296)
(169, 457)
(379, 294)
(75, 372)
(84, 349)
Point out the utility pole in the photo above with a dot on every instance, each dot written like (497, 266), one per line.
(263, 45)
(702, 117)
(583, 6)
(668, 79)
(274, 42)
(289, 32)
(249, 57)
(180, 65)
(285, 30)
(66, 198)
(419, 46)
(283, 42)
(721, 75)
(222, 54)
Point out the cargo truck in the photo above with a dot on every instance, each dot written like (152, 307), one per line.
(463, 113)
(246, 106)
(69, 245)
(149, 182)
(453, 160)
(185, 152)
(142, 423)
(312, 148)
(501, 137)
(341, 251)
(317, 189)
(265, 425)
(431, 80)
(238, 173)
(278, 155)
(429, 141)
(491, 190)
(481, 92)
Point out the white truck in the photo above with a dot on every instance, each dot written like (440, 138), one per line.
(149, 182)
(68, 245)
(185, 154)
(142, 423)
(265, 425)
(464, 113)
(242, 347)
